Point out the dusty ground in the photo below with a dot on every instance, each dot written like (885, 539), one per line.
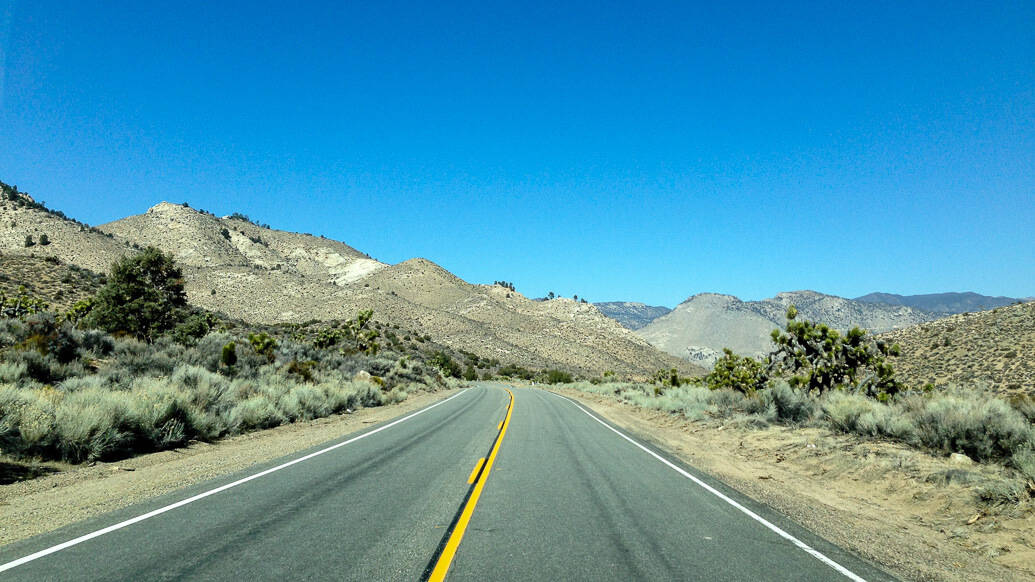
(35, 506)
(882, 500)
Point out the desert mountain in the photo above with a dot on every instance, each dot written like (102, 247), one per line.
(631, 315)
(263, 275)
(991, 348)
(701, 326)
(942, 303)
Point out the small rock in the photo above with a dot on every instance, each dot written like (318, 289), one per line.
(960, 459)
(362, 376)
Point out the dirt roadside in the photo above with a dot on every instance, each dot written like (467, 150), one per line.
(36, 506)
(882, 500)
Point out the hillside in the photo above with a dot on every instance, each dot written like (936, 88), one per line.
(630, 314)
(701, 326)
(47, 278)
(269, 276)
(72, 242)
(991, 348)
(942, 303)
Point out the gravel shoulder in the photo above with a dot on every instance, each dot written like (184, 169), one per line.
(75, 493)
(881, 500)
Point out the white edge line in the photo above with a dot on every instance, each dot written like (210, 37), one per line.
(802, 545)
(150, 514)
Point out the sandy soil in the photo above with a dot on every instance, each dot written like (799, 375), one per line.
(32, 507)
(882, 500)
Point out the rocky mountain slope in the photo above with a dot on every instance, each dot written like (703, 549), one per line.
(701, 326)
(264, 275)
(942, 303)
(993, 348)
(630, 314)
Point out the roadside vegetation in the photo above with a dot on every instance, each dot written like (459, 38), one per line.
(134, 369)
(818, 377)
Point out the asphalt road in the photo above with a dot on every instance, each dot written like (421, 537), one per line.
(561, 497)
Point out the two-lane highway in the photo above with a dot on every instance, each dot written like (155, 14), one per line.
(566, 498)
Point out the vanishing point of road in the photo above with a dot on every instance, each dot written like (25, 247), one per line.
(493, 483)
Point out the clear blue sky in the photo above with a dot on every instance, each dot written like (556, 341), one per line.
(620, 151)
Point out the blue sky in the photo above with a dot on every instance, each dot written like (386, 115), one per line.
(616, 151)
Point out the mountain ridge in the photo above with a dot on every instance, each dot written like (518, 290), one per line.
(700, 327)
(264, 275)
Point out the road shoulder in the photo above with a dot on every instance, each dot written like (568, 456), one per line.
(874, 499)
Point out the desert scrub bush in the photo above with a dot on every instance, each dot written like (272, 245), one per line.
(1023, 460)
(26, 420)
(94, 424)
(254, 413)
(307, 402)
(980, 427)
(395, 395)
(13, 372)
(842, 410)
(556, 377)
(788, 404)
(999, 492)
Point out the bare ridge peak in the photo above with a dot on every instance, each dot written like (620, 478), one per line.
(708, 297)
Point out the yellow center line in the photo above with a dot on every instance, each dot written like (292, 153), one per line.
(477, 467)
(446, 559)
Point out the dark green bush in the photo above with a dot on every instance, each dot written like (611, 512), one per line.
(558, 377)
(817, 359)
(743, 374)
(143, 296)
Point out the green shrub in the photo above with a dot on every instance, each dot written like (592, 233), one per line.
(228, 356)
(193, 328)
(558, 377)
(143, 296)
(1002, 492)
(445, 363)
(743, 374)
(263, 344)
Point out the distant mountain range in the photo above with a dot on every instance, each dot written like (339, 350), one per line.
(631, 315)
(700, 327)
(944, 303)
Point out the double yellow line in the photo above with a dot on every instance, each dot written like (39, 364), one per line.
(479, 479)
